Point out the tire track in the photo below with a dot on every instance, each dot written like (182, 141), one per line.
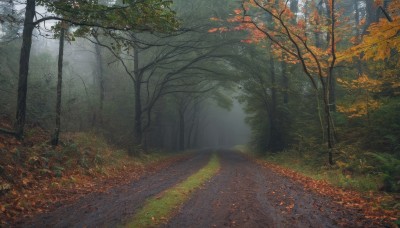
(245, 194)
(119, 204)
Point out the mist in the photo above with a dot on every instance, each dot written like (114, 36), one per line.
(99, 84)
(146, 113)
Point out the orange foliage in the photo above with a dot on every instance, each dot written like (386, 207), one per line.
(215, 19)
(382, 38)
(237, 11)
(362, 82)
(212, 30)
(361, 89)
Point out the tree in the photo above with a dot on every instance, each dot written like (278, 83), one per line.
(378, 43)
(55, 137)
(10, 22)
(130, 16)
(317, 63)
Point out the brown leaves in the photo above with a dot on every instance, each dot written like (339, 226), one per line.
(368, 204)
(29, 184)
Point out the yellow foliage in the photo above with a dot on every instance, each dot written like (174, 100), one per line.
(382, 37)
(362, 82)
(359, 108)
(360, 89)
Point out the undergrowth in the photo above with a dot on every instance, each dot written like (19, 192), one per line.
(354, 169)
(32, 172)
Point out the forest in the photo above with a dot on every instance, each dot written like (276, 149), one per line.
(107, 90)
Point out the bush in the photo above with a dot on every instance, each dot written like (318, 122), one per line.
(385, 128)
(390, 168)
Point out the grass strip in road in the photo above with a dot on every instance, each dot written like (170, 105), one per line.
(160, 208)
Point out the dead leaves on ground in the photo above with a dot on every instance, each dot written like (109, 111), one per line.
(368, 204)
(27, 187)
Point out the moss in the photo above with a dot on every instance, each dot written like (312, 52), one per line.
(161, 208)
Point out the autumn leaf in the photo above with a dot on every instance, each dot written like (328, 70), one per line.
(215, 19)
(2, 208)
(25, 181)
(237, 11)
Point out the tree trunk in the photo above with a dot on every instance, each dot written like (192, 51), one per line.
(332, 91)
(371, 14)
(285, 83)
(181, 131)
(275, 141)
(24, 68)
(328, 89)
(192, 125)
(100, 77)
(358, 34)
(55, 137)
(328, 119)
(195, 142)
(294, 7)
(138, 101)
(273, 86)
(328, 13)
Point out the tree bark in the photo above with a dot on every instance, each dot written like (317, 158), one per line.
(24, 68)
(275, 141)
(181, 131)
(138, 101)
(327, 93)
(358, 34)
(371, 14)
(192, 125)
(285, 83)
(100, 77)
(56, 134)
(273, 86)
(332, 91)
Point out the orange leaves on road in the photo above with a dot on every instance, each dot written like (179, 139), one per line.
(368, 204)
(29, 183)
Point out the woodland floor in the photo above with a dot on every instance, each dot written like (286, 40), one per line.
(242, 194)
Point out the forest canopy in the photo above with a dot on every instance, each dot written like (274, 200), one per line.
(315, 78)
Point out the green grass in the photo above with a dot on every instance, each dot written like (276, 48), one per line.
(242, 148)
(161, 208)
(313, 165)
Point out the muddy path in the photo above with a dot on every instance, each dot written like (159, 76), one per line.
(112, 208)
(244, 194)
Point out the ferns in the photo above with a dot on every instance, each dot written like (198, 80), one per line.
(390, 167)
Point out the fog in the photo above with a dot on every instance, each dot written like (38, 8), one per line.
(171, 78)
(224, 128)
(214, 125)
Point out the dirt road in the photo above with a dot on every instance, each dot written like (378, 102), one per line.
(243, 194)
(118, 205)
